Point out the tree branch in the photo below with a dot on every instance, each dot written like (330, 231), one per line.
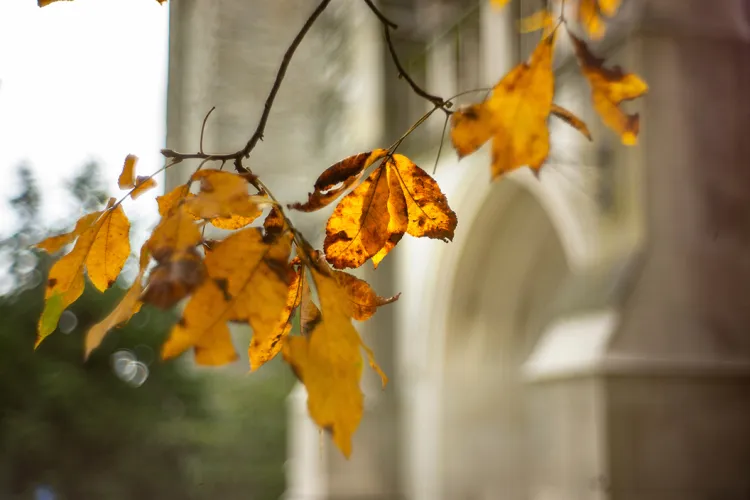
(237, 156)
(388, 25)
(258, 134)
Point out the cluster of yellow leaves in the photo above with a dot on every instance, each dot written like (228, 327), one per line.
(251, 277)
(268, 276)
(515, 116)
(398, 197)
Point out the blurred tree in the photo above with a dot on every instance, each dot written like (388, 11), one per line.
(122, 425)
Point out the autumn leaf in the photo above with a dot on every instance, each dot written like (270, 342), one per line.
(170, 200)
(264, 348)
(499, 3)
(539, 20)
(110, 249)
(274, 224)
(203, 328)
(397, 197)
(515, 116)
(591, 14)
(179, 268)
(224, 199)
(55, 243)
(128, 179)
(610, 88)
(251, 277)
(127, 176)
(125, 309)
(328, 361)
(99, 250)
(362, 301)
(572, 120)
(338, 178)
(358, 227)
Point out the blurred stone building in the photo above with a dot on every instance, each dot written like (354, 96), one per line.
(585, 336)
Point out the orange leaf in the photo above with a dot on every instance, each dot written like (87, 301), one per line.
(329, 363)
(127, 176)
(274, 224)
(499, 3)
(399, 217)
(65, 281)
(571, 119)
(428, 211)
(127, 307)
(591, 13)
(169, 200)
(609, 88)
(539, 20)
(55, 243)
(358, 228)
(255, 274)
(264, 349)
(142, 184)
(110, 249)
(223, 194)
(515, 116)
(397, 197)
(338, 178)
(203, 327)
(180, 269)
(362, 301)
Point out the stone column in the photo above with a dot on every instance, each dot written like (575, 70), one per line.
(655, 404)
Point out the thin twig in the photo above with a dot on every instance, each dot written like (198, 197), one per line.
(381, 16)
(203, 127)
(440, 148)
(436, 100)
(258, 134)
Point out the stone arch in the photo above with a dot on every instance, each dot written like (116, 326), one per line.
(500, 287)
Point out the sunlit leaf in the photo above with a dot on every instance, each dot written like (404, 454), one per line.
(362, 301)
(125, 309)
(591, 14)
(572, 120)
(610, 88)
(55, 243)
(179, 268)
(358, 228)
(539, 20)
(142, 184)
(337, 179)
(127, 176)
(110, 249)
(515, 116)
(328, 361)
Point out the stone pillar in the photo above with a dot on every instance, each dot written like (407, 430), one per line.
(653, 401)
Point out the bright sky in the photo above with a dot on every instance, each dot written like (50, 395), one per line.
(81, 80)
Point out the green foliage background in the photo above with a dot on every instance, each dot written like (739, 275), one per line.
(78, 428)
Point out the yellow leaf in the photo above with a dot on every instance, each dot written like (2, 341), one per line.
(55, 243)
(399, 217)
(539, 20)
(65, 280)
(609, 88)
(168, 201)
(590, 20)
(397, 197)
(124, 310)
(110, 249)
(572, 120)
(609, 7)
(329, 363)
(274, 224)
(203, 328)
(255, 274)
(179, 268)
(515, 116)
(142, 184)
(362, 301)
(358, 228)
(127, 176)
(428, 211)
(264, 349)
(338, 178)
(247, 280)
(499, 3)
(224, 195)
